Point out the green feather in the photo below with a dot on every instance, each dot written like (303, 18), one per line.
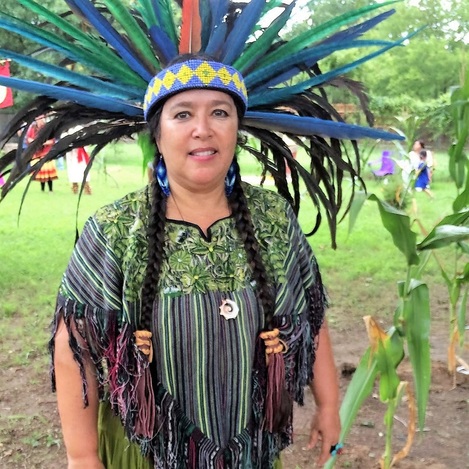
(167, 20)
(106, 57)
(320, 32)
(72, 51)
(259, 47)
(137, 37)
(147, 12)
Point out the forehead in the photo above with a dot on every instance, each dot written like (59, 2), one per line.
(198, 98)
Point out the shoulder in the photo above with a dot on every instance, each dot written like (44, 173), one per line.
(125, 214)
(272, 215)
(131, 203)
(261, 200)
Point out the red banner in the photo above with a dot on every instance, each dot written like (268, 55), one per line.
(6, 95)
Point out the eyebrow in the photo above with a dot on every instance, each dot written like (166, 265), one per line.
(190, 104)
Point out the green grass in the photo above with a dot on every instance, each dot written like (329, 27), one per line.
(34, 249)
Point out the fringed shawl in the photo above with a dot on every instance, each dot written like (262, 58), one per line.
(99, 299)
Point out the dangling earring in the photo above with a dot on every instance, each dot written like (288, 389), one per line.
(230, 178)
(162, 177)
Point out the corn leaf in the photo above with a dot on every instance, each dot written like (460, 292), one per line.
(445, 235)
(355, 208)
(388, 351)
(440, 238)
(417, 331)
(404, 386)
(462, 311)
(358, 390)
(398, 224)
(462, 200)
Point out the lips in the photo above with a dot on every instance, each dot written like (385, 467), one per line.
(203, 152)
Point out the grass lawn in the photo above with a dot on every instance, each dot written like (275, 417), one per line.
(35, 248)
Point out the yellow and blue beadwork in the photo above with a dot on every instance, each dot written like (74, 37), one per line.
(195, 74)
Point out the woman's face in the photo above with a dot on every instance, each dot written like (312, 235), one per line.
(197, 138)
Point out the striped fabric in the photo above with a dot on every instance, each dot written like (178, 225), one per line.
(205, 361)
(208, 385)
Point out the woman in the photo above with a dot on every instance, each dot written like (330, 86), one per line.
(48, 171)
(194, 307)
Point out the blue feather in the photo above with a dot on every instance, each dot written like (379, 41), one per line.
(63, 93)
(281, 94)
(310, 126)
(49, 40)
(310, 55)
(162, 10)
(206, 19)
(276, 26)
(83, 81)
(216, 41)
(112, 37)
(40, 36)
(218, 28)
(242, 29)
(163, 43)
(348, 34)
(359, 29)
(219, 9)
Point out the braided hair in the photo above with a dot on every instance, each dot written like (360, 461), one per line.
(243, 222)
(155, 236)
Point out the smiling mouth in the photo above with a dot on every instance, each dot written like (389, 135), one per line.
(203, 153)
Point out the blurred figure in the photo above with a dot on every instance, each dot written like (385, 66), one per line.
(77, 161)
(414, 156)
(422, 182)
(48, 171)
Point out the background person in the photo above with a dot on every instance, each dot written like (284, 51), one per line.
(48, 172)
(194, 291)
(418, 146)
(422, 181)
(77, 161)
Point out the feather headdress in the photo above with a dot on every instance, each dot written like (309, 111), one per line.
(101, 65)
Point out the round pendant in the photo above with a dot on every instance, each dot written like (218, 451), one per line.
(229, 309)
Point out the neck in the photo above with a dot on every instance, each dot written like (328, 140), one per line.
(200, 208)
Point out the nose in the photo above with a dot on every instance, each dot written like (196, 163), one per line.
(202, 127)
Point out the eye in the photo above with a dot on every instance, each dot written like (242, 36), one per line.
(220, 113)
(182, 115)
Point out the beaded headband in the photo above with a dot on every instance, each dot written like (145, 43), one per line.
(195, 74)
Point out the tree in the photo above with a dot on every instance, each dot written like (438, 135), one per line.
(410, 69)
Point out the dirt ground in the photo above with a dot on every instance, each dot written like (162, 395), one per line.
(30, 434)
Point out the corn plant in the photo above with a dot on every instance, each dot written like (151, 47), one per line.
(411, 321)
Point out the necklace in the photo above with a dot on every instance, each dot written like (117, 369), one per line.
(228, 308)
(183, 234)
(177, 208)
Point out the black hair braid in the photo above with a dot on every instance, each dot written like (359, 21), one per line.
(156, 241)
(264, 293)
(239, 209)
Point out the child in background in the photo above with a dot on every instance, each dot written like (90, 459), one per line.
(422, 182)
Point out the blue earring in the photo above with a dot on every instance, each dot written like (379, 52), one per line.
(162, 177)
(230, 178)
